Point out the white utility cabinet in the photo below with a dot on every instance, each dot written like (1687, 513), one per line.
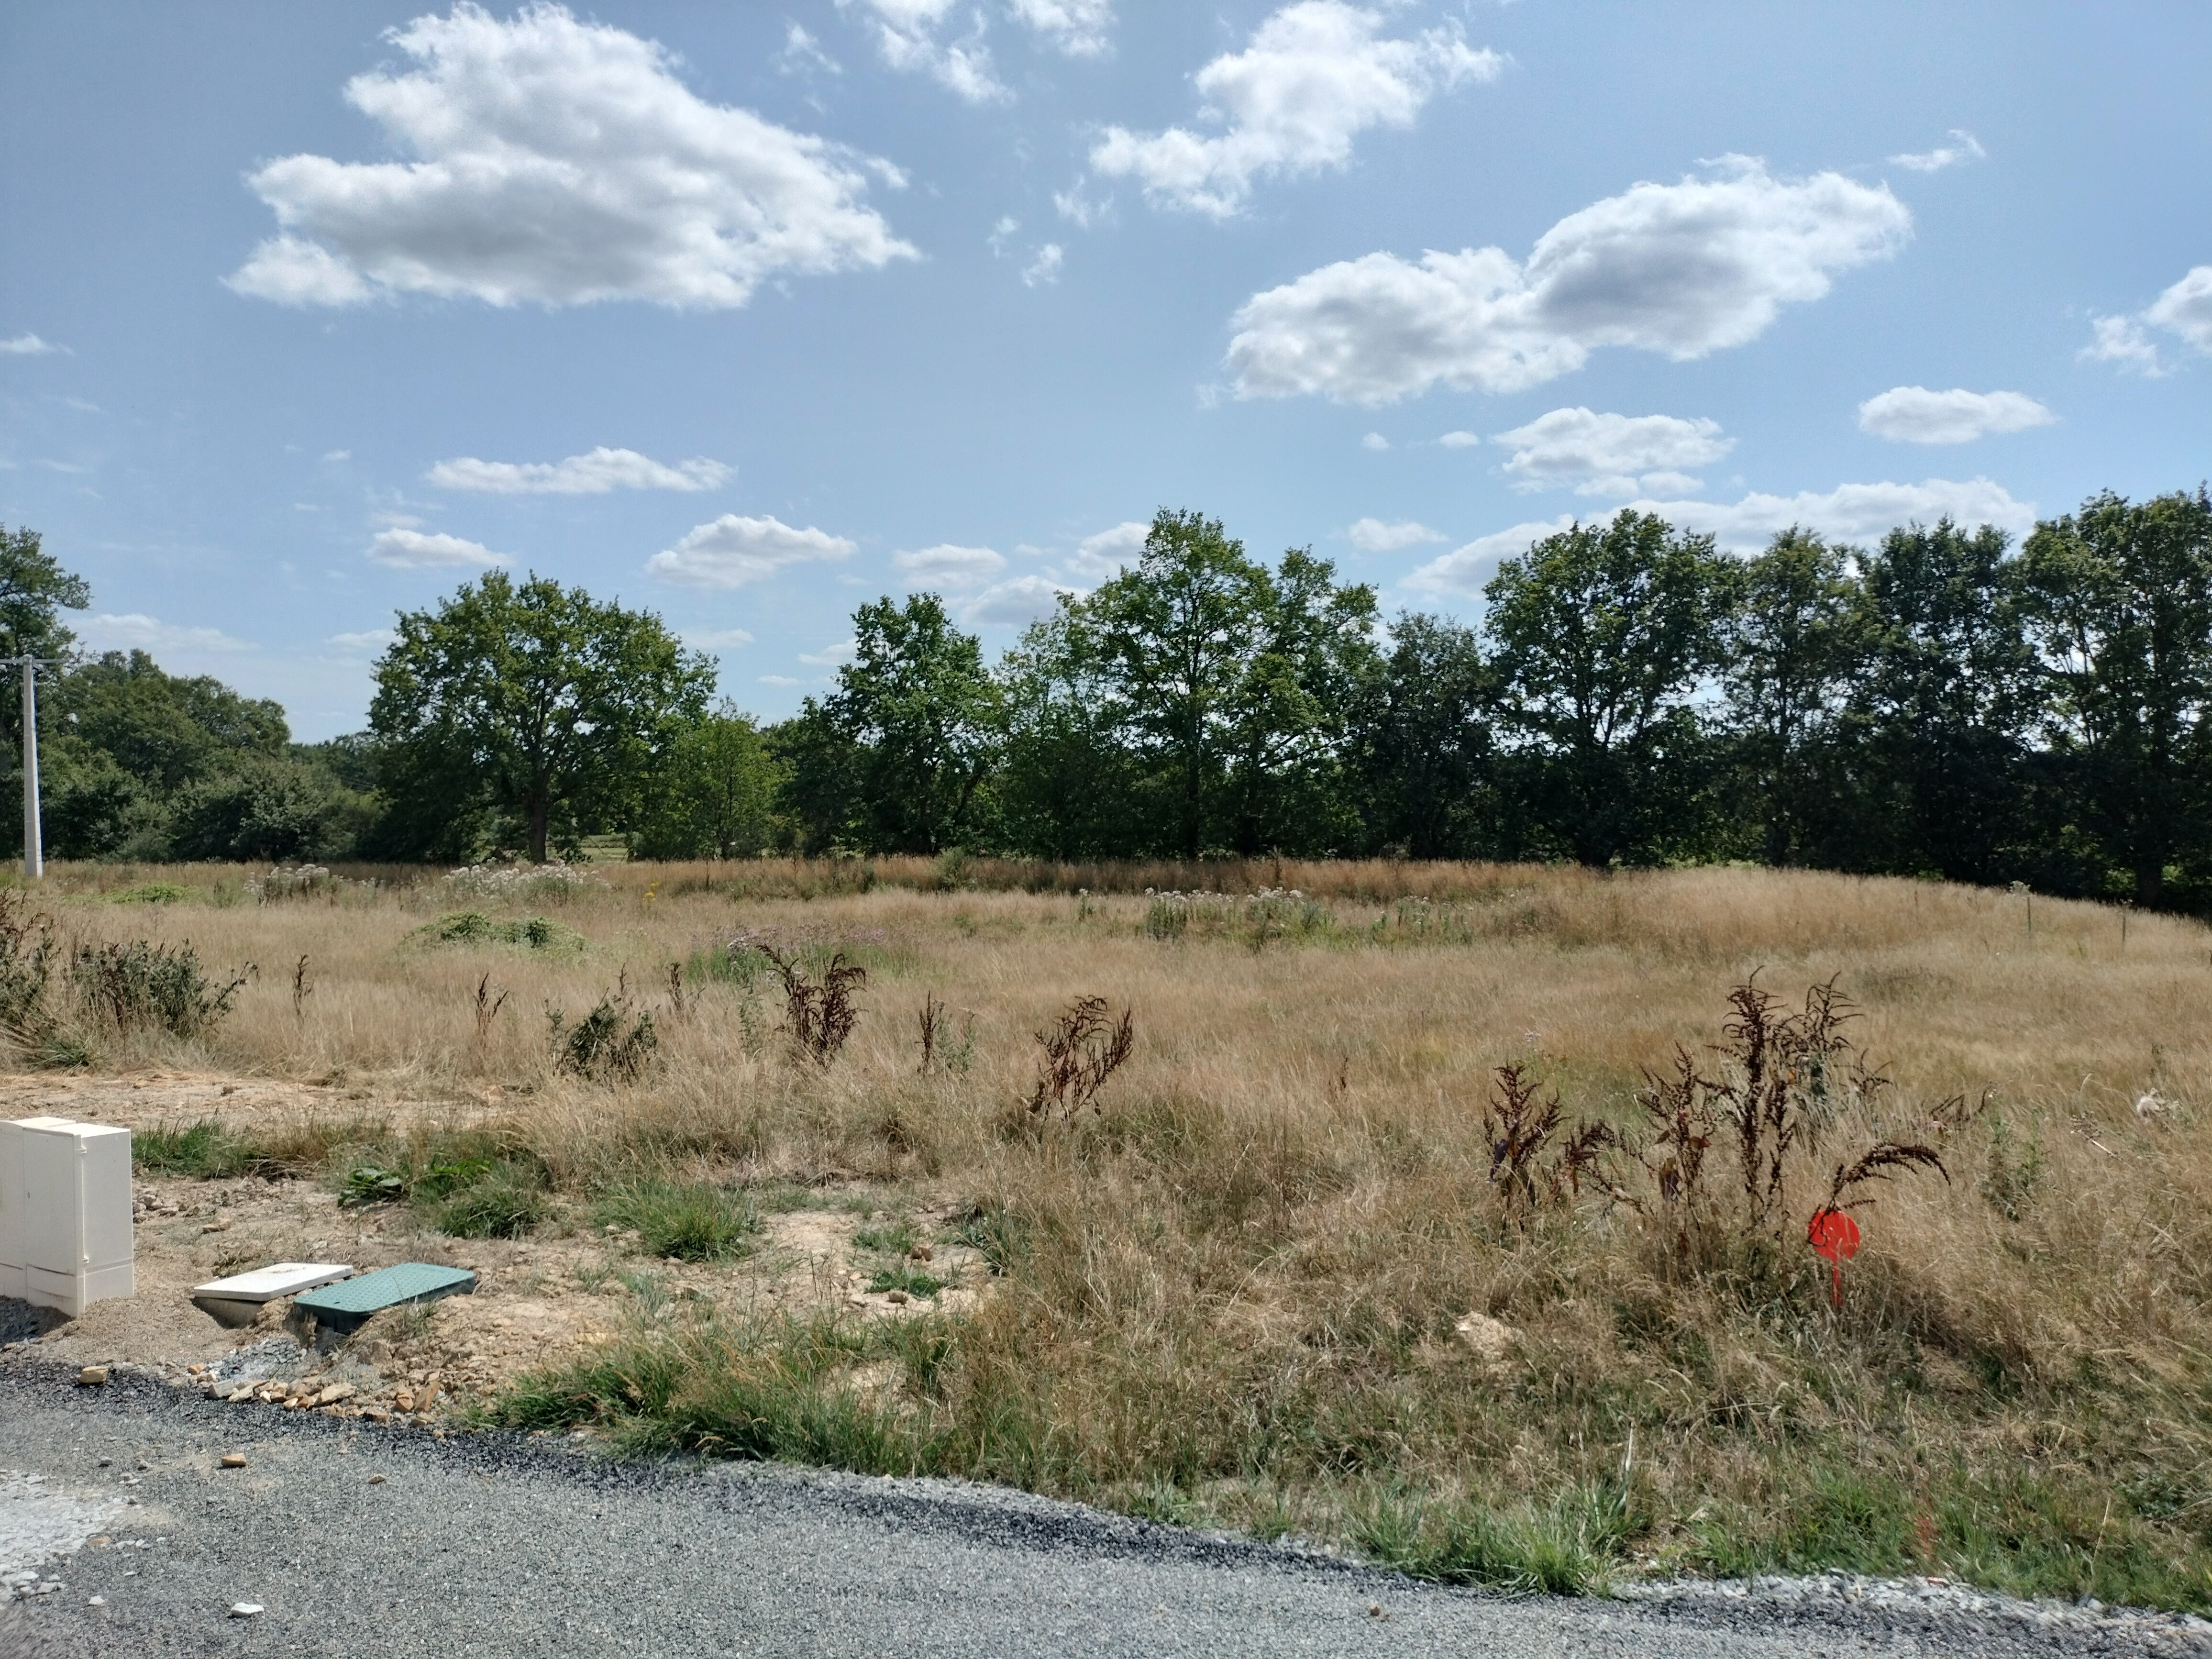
(65, 1238)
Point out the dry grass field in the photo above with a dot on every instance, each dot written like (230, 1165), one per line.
(1236, 1290)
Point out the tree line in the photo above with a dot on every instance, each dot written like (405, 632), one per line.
(1942, 704)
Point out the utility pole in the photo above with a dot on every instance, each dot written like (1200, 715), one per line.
(34, 852)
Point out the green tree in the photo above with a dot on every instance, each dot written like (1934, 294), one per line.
(1602, 636)
(1946, 705)
(1071, 788)
(2117, 600)
(164, 729)
(1801, 640)
(34, 590)
(923, 717)
(1421, 741)
(1228, 683)
(536, 703)
(818, 797)
(716, 793)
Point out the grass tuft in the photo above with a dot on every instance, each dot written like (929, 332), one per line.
(692, 1222)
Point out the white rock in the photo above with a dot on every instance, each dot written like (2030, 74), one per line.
(246, 1609)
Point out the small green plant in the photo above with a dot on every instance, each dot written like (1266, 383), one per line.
(372, 1183)
(894, 1237)
(206, 1150)
(995, 1231)
(904, 1276)
(142, 986)
(692, 1222)
(609, 1045)
(2016, 1170)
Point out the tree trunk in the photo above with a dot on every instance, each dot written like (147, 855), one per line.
(538, 817)
(2150, 884)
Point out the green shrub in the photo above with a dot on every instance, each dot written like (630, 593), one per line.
(142, 985)
(608, 1044)
(476, 928)
(504, 1202)
(692, 1222)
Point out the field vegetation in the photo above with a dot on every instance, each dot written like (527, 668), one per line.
(1273, 1242)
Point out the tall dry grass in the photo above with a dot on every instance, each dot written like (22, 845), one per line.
(1232, 1292)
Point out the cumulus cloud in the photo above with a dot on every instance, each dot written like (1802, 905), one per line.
(1914, 415)
(734, 551)
(593, 473)
(779, 679)
(1374, 536)
(1458, 440)
(906, 33)
(27, 345)
(1375, 441)
(1315, 75)
(716, 639)
(1683, 269)
(1110, 550)
(2184, 310)
(402, 549)
(947, 566)
(1963, 147)
(1075, 27)
(831, 656)
(135, 631)
(1611, 455)
(1861, 512)
(1016, 600)
(558, 162)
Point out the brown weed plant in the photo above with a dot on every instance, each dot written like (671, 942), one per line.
(818, 1014)
(1082, 1048)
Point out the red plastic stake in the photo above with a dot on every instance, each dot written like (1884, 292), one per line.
(1835, 1236)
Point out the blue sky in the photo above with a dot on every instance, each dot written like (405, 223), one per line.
(749, 313)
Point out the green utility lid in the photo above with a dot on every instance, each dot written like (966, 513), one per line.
(344, 1305)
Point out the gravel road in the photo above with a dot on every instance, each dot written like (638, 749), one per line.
(495, 1546)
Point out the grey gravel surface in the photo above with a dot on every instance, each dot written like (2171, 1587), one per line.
(497, 1545)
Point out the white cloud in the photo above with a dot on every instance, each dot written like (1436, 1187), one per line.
(2185, 309)
(831, 656)
(1045, 268)
(947, 566)
(1458, 440)
(1374, 440)
(1016, 600)
(1611, 455)
(716, 639)
(593, 473)
(779, 679)
(402, 549)
(1110, 550)
(27, 345)
(368, 643)
(558, 162)
(906, 35)
(337, 454)
(1849, 513)
(1963, 147)
(732, 551)
(135, 631)
(1002, 235)
(1914, 415)
(1314, 77)
(802, 54)
(1374, 536)
(1683, 269)
(1076, 28)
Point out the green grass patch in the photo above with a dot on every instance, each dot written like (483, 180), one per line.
(467, 1186)
(206, 1150)
(904, 1276)
(479, 928)
(692, 1222)
(152, 892)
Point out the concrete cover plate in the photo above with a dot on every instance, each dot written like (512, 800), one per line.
(352, 1301)
(280, 1278)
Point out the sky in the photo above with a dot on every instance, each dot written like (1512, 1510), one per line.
(749, 314)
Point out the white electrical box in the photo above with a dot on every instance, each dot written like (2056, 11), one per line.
(65, 1238)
